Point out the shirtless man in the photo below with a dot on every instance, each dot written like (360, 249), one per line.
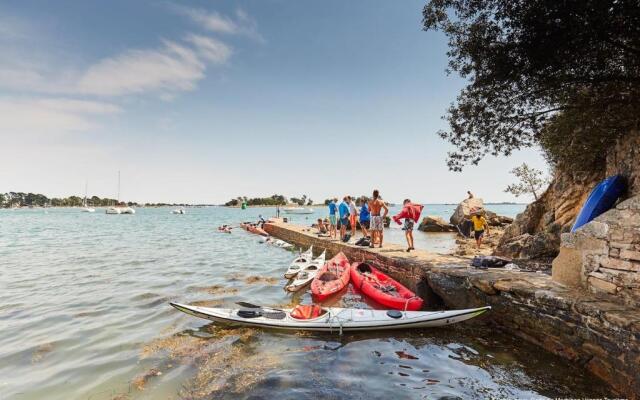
(376, 205)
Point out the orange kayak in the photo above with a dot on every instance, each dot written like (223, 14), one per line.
(331, 278)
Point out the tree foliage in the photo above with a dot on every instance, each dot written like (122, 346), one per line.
(20, 199)
(530, 181)
(529, 61)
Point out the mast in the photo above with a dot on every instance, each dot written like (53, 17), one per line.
(86, 186)
(118, 187)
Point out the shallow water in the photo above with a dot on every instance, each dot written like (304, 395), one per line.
(84, 314)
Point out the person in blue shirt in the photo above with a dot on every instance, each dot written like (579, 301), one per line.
(333, 220)
(365, 216)
(343, 209)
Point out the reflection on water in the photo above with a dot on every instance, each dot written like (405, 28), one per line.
(85, 315)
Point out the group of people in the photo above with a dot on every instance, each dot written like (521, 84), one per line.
(345, 216)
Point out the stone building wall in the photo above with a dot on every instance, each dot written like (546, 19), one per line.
(608, 253)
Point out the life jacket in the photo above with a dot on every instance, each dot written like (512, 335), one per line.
(306, 311)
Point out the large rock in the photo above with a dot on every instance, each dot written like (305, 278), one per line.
(464, 210)
(435, 224)
(556, 209)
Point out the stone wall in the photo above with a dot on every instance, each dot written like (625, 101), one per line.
(608, 254)
(600, 335)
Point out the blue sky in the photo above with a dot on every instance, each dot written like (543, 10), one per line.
(206, 100)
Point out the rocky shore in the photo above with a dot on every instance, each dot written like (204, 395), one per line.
(601, 336)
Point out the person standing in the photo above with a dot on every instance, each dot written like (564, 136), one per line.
(333, 210)
(353, 215)
(376, 205)
(343, 210)
(365, 217)
(479, 226)
(411, 214)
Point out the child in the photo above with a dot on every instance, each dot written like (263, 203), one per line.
(411, 214)
(479, 225)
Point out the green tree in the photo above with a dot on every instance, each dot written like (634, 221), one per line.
(530, 181)
(528, 61)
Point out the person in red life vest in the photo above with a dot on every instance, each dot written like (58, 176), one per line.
(411, 214)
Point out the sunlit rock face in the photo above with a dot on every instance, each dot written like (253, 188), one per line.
(536, 232)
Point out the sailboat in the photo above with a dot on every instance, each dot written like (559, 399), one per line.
(85, 207)
(118, 209)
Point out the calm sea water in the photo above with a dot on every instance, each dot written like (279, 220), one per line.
(84, 314)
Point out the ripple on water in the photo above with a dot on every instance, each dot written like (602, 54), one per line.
(85, 314)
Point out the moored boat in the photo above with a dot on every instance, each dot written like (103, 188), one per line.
(383, 289)
(332, 277)
(331, 319)
(297, 210)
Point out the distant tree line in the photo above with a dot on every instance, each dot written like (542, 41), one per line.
(275, 200)
(20, 199)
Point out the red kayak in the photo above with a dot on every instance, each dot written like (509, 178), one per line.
(383, 289)
(331, 278)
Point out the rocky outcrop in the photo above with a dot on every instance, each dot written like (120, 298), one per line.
(463, 211)
(536, 232)
(435, 224)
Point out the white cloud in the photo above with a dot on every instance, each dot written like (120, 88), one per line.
(33, 116)
(213, 21)
(210, 49)
(173, 67)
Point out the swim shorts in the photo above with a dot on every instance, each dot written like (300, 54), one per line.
(352, 220)
(332, 219)
(478, 234)
(365, 224)
(408, 224)
(377, 223)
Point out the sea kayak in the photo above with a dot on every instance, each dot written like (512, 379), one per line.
(306, 274)
(298, 263)
(332, 277)
(383, 289)
(332, 319)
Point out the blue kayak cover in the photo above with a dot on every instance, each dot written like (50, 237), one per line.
(601, 199)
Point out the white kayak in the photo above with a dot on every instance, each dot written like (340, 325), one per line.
(306, 274)
(299, 263)
(333, 319)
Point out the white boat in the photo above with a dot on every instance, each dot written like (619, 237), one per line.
(178, 211)
(85, 207)
(117, 209)
(297, 210)
(306, 274)
(299, 262)
(332, 319)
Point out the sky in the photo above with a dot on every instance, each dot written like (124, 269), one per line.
(203, 101)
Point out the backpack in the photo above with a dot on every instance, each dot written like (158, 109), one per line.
(484, 262)
(347, 237)
(364, 241)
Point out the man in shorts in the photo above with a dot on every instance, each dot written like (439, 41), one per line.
(353, 215)
(333, 220)
(365, 217)
(343, 210)
(376, 205)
